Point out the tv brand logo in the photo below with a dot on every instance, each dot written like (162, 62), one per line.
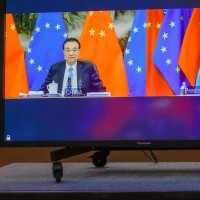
(143, 143)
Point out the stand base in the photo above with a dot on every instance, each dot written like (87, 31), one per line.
(99, 158)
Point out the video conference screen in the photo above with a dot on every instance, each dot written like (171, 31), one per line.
(110, 75)
(136, 52)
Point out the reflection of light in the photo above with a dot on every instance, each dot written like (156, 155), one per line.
(162, 102)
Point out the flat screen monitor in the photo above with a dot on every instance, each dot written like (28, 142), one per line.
(134, 83)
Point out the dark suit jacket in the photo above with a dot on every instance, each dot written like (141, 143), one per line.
(87, 77)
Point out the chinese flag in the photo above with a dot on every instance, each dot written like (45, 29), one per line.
(156, 84)
(15, 71)
(189, 59)
(100, 45)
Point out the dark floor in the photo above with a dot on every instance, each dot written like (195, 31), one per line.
(114, 181)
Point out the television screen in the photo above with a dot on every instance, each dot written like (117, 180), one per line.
(106, 74)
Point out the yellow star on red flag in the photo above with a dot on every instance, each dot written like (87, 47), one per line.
(104, 50)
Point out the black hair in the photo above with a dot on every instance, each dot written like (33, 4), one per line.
(71, 40)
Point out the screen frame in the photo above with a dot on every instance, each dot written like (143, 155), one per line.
(18, 6)
(2, 49)
(87, 5)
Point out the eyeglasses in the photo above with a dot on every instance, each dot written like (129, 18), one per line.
(74, 51)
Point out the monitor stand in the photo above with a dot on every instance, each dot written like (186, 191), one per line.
(99, 158)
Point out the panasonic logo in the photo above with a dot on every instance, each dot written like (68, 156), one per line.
(144, 143)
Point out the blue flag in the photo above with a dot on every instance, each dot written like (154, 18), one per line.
(198, 80)
(45, 47)
(135, 56)
(168, 47)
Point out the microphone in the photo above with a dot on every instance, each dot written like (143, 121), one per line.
(80, 92)
(68, 91)
(69, 82)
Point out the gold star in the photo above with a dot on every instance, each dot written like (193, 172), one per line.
(31, 61)
(168, 61)
(37, 29)
(57, 26)
(92, 31)
(135, 29)
(29, 50)
(102, 33)
(145, 25)
(139, 69)
(165, 35)
(12, 27)
(149, 24)
(172, 24)
(65, 35)
(177, 69)
(163, 49)
(130, 62)
(158, 26)
(127, 51)
(47, 25)
(39, 68)
(110, 26)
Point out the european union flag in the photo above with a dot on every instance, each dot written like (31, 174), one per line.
(198, 80)
(135, 56)
(168, 47)
(45, 47)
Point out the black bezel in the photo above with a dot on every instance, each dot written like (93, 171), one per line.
(18, 6)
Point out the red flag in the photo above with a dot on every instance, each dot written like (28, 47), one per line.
(156, 85)
(15, 70)
(189, 59)
(99, 44)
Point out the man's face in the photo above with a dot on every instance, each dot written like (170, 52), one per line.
(71, 52)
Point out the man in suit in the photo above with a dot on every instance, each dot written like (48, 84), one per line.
(73, 72)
